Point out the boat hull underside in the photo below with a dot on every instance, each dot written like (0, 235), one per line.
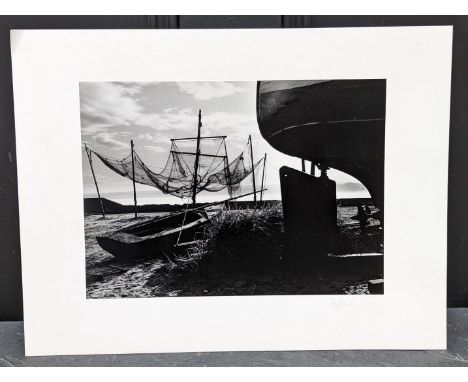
(356, 139)
(338, 124)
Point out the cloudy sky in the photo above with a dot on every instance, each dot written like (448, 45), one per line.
(113, 113)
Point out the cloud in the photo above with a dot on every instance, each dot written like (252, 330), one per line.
(203, 91)
(147, 137)
(234, 125)
(173, 119)
(183, 122)
(111, 115)
(109, 140)
(133, 88)
(156, 149)
(154, 145)
(109, 105)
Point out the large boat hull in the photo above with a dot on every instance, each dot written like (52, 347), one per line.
(338, 124)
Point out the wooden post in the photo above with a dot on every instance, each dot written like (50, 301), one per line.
(133, 178)
(263, 178)
(253, 170)
(312, 168)
(228, 171)
(88, 153)
(197, 155)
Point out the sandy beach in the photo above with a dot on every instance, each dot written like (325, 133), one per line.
(108, 278)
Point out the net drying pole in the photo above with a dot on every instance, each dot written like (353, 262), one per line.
(183, 223)
(312, 168)
(133, 179)
(226, 166)
(195, 175)
(263, 178)
(88, 153)
(253, 170)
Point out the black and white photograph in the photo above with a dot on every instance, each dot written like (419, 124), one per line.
(183, 199)
(233, 188)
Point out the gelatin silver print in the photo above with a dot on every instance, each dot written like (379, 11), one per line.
(233, 188)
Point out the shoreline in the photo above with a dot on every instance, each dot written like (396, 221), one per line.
(92, 205)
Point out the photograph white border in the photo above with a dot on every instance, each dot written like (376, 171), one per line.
(47, 68)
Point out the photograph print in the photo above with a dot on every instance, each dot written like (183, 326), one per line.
(233, 188)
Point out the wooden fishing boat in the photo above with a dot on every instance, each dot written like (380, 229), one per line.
(154, 238)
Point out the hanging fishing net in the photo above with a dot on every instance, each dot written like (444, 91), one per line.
(187, 172)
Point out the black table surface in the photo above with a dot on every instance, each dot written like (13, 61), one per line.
(12, 353)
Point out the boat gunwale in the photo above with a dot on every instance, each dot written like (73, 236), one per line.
(120, 234)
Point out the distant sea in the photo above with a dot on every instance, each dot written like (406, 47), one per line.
(149, 197)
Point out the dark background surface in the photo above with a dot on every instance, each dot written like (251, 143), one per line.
(10, 261)
(12, 354)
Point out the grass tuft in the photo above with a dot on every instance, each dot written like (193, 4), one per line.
(238, 240)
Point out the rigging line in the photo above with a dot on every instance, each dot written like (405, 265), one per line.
(245, 146)
(182, 171)
(239, 160)
(194, 139)
(209, 168)
(169, 158)
(178, 158)
(255, 165)
(170, 173)
(186, 165)
(214, 172)
(219, 164)
(109, 157)
(176, 149)
(200, 155)
(181, 158)
(178, 166)
(229, 183)
(183, 184)
(181, 227)
(181, 179)
(217, 190)
(271, 165)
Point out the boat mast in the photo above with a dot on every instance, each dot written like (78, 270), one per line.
(263, 178)
(253, 169)
(197, 156)
(88, 153)
(133, 178)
